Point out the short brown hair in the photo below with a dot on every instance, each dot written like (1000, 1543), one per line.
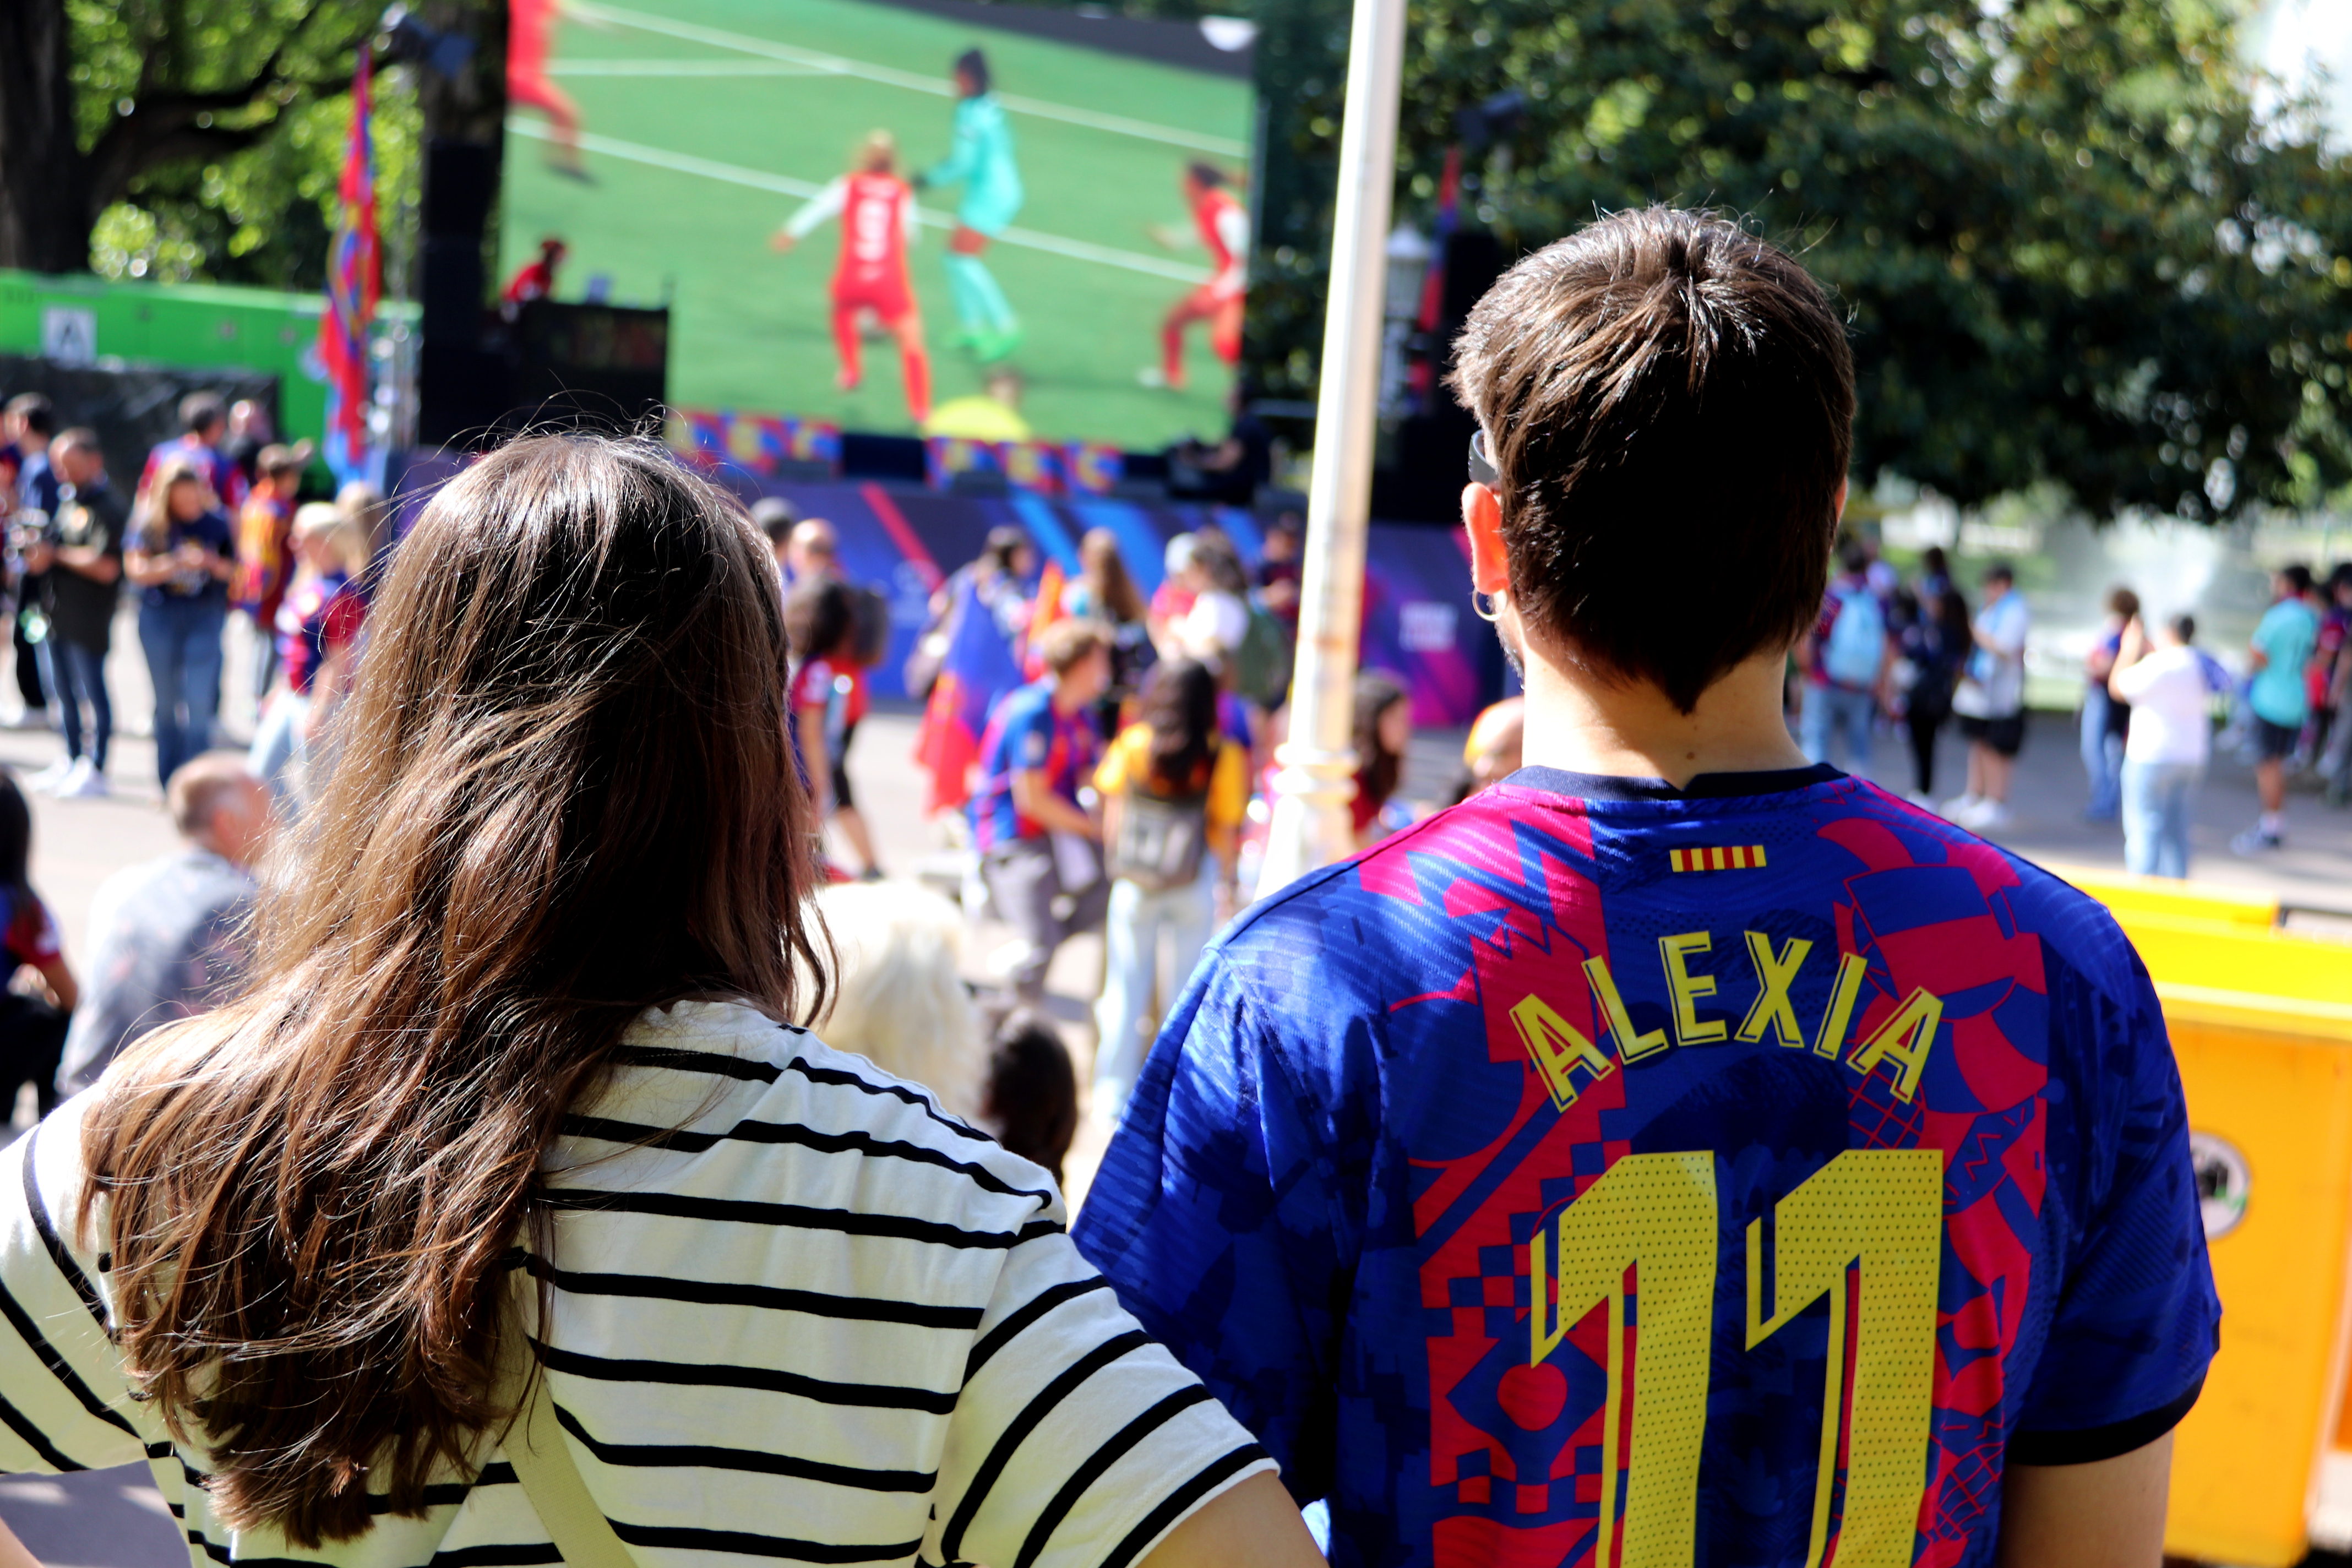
(201, 785)
(1668, 401)
(275, 460)
(1064, 645)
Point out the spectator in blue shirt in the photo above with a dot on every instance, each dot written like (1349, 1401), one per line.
(2282, 644)
(1676, 1146)
(1040, 851)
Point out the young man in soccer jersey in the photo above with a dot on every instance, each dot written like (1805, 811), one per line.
(877, 209)
(1675, 1148)
(1036, 843)
(1224, 225)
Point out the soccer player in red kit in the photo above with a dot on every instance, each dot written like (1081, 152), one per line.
(877, 209)
(1223, 224)
(530, 29)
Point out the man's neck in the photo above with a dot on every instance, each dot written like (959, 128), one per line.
(1580, 722)
(1064, 701)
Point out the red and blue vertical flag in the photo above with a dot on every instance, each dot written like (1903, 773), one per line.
(354, 268)
(979, 667)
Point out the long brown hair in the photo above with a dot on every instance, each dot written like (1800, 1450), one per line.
(565, 795)
(1116, 598)
(150, 529)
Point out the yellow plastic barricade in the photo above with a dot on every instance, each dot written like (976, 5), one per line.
(2127, 896)
(2261, 1026)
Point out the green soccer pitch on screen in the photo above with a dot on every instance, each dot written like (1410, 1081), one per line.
(905, 215)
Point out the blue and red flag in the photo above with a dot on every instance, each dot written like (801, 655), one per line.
(978, 668)
(354, 270)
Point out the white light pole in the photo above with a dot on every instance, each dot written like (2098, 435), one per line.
(1317, 780)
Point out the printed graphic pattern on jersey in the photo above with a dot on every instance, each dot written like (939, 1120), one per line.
(1541, 1195)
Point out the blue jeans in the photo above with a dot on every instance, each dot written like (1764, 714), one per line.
(278, 745)
(1132, 930)
(183, 640)
(77, 675)
(2103, 755)
(2159, 801)
(1831, 709)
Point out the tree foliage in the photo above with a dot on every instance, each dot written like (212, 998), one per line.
(205, 136)
(2071, 248)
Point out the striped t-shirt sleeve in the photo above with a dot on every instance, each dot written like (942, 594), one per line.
(1077, 1440)
(62, 1395)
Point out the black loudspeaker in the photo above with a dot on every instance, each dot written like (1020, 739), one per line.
(463, 376)
(1425, 482)
(602, 367)
(460, 177)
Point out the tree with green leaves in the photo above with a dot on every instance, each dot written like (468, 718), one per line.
(2071, 248)
(184, 137)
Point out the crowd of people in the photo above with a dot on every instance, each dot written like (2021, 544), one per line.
(1884, 654)
(510, 1208)
(213, 526)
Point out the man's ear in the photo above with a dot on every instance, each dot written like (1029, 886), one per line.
(1482, 515)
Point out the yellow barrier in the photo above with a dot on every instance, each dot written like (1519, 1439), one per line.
(2261, 1027)
(2129, 895)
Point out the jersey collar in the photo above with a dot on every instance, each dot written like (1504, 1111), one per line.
(1706, 786)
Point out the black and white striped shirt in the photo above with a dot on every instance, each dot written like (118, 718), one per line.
(821, 1322)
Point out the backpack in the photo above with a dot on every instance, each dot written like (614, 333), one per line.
(869, 612)
(1160, 841)
(1262, 662)
(1857, 644)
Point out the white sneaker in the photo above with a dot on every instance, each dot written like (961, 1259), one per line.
(1920, 798)
(1960, 807)
(48, 779)
(84, 782)
(1152, 377)
(1990, 817)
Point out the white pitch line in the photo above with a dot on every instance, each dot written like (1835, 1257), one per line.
(680, 69)
(785, 186)
(937, 86)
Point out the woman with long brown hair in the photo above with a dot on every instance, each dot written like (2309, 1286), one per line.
(511, 1214)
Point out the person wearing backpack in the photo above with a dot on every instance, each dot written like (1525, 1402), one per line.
(1174, 791)
(1846, 661)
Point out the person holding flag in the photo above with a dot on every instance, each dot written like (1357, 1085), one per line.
(355, 280)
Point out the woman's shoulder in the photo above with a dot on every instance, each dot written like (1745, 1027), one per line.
(755, 1102)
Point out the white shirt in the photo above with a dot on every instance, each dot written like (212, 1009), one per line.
(1214, 626)
(2171, 708)
(1998, 663)
(818, 1320)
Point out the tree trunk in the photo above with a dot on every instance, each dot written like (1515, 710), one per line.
(45, 201)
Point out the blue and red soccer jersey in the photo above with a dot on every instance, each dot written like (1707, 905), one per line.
(1750, 1171)
(1025, 733)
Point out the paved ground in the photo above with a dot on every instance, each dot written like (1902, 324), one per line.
(114, 1520)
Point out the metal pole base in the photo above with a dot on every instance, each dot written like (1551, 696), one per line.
(1311, 827)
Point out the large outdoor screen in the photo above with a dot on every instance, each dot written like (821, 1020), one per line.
(842, 198)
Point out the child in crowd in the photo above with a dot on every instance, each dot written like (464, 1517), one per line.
(264, 529)
(1175, 789)
(1033, 1091)
(317, 623)
(1383, 734)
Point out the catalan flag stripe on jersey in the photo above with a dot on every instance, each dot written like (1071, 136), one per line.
(1717, 857)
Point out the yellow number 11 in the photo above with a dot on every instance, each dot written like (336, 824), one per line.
(1881, 1208)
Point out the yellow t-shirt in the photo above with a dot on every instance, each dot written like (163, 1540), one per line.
(1127, 766)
